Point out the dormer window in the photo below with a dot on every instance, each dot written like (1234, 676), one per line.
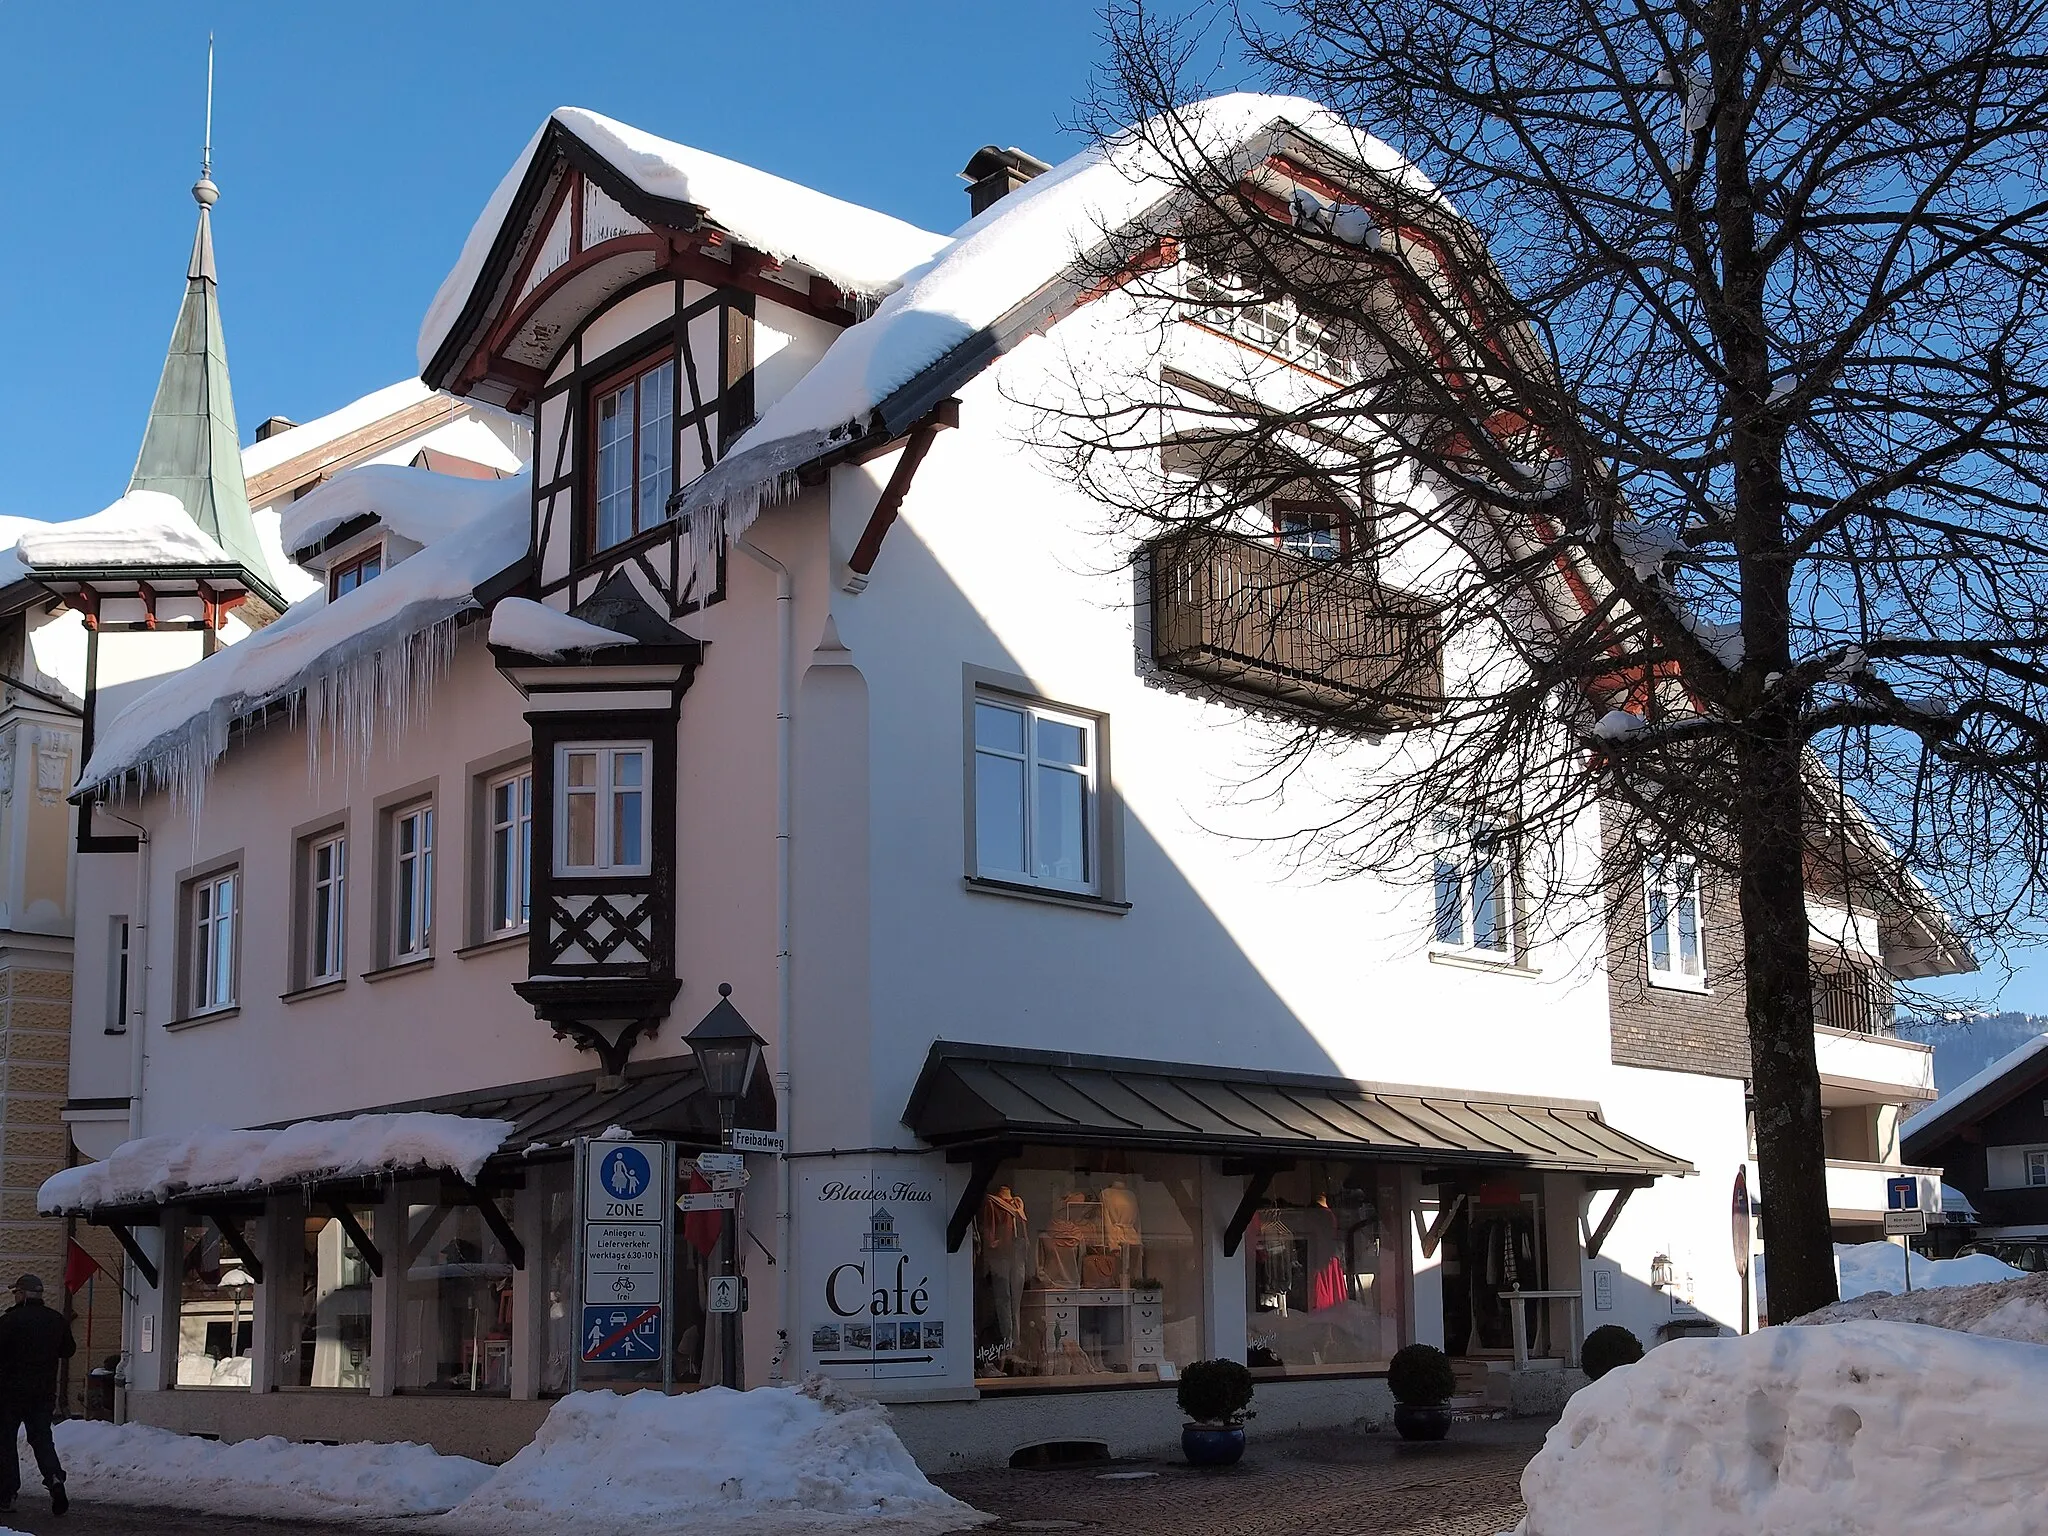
(353, 572)
(633, 446)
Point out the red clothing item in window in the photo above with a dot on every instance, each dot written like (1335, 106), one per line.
(702, 1229)
(1326, 1287)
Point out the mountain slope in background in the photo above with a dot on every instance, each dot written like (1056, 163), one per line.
(1966, 1045)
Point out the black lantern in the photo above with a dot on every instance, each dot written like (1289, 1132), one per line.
(727, 1051)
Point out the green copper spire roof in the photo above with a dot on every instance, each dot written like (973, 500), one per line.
(191, 448)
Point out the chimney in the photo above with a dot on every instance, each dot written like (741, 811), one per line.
(272, 426)
(993, 173)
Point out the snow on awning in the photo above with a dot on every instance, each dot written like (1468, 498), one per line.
(371, 654)
(157, 1169)
(148, 528)
(520, 624)
(858, 250)
(1003, 258)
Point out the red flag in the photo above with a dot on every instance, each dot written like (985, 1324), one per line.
(702, 1229)
(79, 1266)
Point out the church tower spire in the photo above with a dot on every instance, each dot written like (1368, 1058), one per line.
(190, 447)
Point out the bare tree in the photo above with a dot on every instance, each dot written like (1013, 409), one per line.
(1680, 445)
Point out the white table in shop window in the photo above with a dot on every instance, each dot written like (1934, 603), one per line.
(1520, 1320)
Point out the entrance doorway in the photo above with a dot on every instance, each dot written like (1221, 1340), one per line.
(1494, 1247)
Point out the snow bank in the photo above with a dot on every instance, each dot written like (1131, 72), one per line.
(2005, 1309)
(1854, 1429)
(142, 528)
(521, 624)
(857, 249)
(773, 1459)
(996, 261)
(148, 1170)
(1864, 1268)
(374, 651)
(273, 1478)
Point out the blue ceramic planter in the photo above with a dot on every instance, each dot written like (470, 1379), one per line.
(1212, 1445)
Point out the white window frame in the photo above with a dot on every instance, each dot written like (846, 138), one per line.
(214, 939)
(603, 793)
(412, 876)
(353, 566)
(1033, 711)
(519, 846)
(2036, 1162)
(332, 932)
(118, 1002)
(1272, 323)
(1677, 881)
(1461, 852)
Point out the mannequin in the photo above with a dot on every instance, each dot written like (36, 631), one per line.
(1120, 1232)
(1005, 1235)
(1062, 1243)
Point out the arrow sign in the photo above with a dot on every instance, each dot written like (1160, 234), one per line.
(710, 1200)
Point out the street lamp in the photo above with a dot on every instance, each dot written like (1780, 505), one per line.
(727, 1051)
(234, 1282)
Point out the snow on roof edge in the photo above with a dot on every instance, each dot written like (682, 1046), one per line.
(1957, 1098)
(305, 436)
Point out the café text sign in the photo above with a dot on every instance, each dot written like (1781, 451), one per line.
(873, 1284)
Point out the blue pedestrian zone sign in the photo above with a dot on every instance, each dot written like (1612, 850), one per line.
(626, 1173)
(622, 1333)
(1902, 1194)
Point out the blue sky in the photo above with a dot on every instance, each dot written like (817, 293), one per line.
(354, 145)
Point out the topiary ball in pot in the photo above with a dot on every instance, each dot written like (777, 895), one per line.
(1607, 1347)
(1422, 1382)
(1216, 1396)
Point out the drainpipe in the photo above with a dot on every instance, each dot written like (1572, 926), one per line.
(785, 692)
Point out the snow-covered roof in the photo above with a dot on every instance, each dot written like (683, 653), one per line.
(142, 528)
(857, 249)
(417, 503)
(520, 624)
(1959, 1099)
(1003, 258)
(12, 568)
(356, 658)
(149, 1170)
(357, 414)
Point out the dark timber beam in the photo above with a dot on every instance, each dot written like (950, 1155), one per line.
(338, 1209)
(1255, 1189)
(501, 1229)
(230, 1231)
(862, 561)
(980, 1176)
(1613, 1213)
(144, 1264)
(1445, 1215)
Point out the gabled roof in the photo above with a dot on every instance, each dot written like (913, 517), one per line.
(648, 201)
(1974, 1098)
(190, 448)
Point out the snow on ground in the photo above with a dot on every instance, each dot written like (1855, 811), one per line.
(1851, 1429)
(2015, 1308)
(521, 624)
(142, 528)
(138, 1464)
(148, 1170)
(771, 1460)
(1879, 1267)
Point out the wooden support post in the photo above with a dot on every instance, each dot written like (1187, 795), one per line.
(230, 1231)
(1607, 1220)
(501, 1229)
(980, 1176)
(1255, 1188)
(144, 1264)
(1444, 1217)
(365, 1249)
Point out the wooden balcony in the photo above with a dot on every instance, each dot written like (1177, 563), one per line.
(1854, 998)
(1321, 635)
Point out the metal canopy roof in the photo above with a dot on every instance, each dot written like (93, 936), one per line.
(970, 1094)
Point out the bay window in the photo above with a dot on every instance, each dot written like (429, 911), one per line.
(601, 808)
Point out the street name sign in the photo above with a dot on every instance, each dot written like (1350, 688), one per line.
(758, 1141)
(1911, 1223)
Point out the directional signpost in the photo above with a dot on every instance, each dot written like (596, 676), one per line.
(626, 1260)
(1903, 1216)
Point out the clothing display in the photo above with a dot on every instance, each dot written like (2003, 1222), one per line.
(1313, 1255)
(1005, 1237)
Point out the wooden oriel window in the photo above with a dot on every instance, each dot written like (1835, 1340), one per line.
(633, 450)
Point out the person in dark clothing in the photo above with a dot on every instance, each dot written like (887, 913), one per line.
(33, 1339)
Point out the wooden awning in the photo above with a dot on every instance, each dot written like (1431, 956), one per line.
(980, 1095)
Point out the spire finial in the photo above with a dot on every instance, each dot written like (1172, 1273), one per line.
(204, 192)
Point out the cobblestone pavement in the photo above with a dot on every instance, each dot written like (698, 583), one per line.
(1324, 1483)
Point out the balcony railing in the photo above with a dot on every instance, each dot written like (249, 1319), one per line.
(1241, 613)
(1855, 999)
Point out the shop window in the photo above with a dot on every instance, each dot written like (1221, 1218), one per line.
(508, 817)
(345, 578)
(1087, 1269)
(634, 450)
(216, 1308)
(1322, 1271)
(1677, 949)
(455, 1302)
(1495, 1245)
(1474, 883)
(601, 808)
(1036, 795)
(327, 1334)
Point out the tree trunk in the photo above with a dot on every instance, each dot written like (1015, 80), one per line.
(1785, 1074)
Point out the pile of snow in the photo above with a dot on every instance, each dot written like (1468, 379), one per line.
(1619, 725)
(1013, 250)
(417, 504)
(142, 528)
(773, 1459)
(147, 1171)
(2005, 1309)
(860, 251)
(1866, 1268)
(370, 654)
(273, 1478)
(1855, 1429)
(520, 624)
